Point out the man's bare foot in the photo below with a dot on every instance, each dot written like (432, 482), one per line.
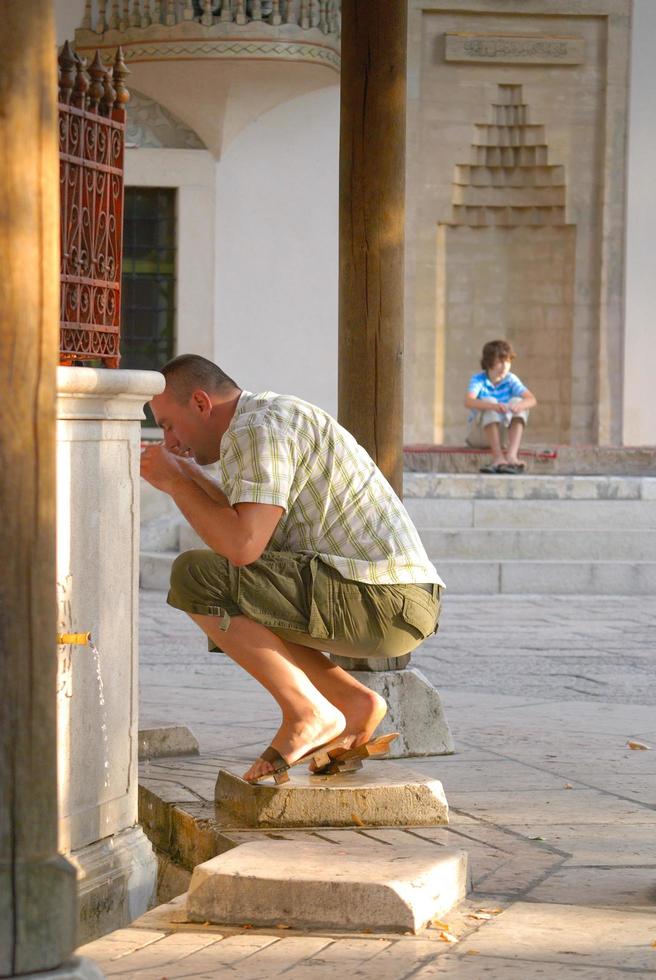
(299, 737)
(364, 713)
(363, 716)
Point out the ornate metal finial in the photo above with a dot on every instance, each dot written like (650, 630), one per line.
(67, 64)
(82, 82)
(120, 73)
(97, 87)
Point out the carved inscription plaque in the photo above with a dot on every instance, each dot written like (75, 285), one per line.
(516, 49)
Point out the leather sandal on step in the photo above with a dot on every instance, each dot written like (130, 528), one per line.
(319, 755)
(349, 760)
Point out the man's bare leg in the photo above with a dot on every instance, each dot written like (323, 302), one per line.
(309, 719)
(362, 708)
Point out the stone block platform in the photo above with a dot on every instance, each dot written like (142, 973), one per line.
(310, 884)
(382, 794)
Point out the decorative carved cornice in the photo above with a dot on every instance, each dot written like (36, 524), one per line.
(166, 49)
(147, 30)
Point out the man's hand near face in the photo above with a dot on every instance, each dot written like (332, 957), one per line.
(161, 468)
(240, 533)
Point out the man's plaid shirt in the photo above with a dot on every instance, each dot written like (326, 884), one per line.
(338, 505)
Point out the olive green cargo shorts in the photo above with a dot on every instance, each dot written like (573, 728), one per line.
(305, 601)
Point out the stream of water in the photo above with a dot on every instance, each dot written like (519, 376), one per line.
(103, 710)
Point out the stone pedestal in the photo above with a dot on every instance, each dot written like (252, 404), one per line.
(414, 709)
(98, 447)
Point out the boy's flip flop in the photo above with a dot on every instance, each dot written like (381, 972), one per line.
(491, 468)
(348, 760)
(279, 773)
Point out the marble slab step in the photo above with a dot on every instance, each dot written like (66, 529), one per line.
(539, 544)
(355, 883)
(547, 577)
(485, 577)
(591, 514)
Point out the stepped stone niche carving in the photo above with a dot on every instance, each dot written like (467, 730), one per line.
(505, 267)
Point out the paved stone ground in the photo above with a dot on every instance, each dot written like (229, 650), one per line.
(542, 694)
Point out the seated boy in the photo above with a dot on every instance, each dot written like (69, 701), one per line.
(499, 404)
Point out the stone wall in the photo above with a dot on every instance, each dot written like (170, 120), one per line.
(571, 61)
(516, 283)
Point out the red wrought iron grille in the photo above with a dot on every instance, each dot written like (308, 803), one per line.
(91, 151)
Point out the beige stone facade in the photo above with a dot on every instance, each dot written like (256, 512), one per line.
(516, 204)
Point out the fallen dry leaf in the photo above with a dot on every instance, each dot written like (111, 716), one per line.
(247, 925)
(568, 786)
(653, 945)
(356, 820)
(536, 838)
(637, 745)
(473, 952)
(438, 924)
(490, 911)
(479, 915)
(448, 937)
(281, 925)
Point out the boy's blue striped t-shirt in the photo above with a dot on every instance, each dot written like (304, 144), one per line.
(509, 387)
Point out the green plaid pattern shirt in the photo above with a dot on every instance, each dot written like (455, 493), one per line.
(338, 505)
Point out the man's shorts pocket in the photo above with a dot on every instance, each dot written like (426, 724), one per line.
(419, 611)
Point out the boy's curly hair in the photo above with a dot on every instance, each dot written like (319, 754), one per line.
(496, 350)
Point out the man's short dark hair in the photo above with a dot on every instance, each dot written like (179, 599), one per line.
(496, 350)
(189, 372)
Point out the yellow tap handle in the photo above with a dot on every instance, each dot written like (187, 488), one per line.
(79, 639)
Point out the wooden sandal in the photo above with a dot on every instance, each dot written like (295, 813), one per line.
(350, 760)
(319, 755)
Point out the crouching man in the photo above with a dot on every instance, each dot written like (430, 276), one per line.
(309, 551)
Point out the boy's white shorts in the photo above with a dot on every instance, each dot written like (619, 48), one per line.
(476, 437)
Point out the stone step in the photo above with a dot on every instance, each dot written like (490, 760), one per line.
(480, 486)
(389, 795)
(539, 459)
(524, 534)
(592, 514)
(488, 577)
(353, 883)
(155, 569)
(548, 577)
(189, 539)
(538, 544)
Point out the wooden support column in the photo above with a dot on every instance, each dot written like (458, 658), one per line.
(371, 228)
(37, 886)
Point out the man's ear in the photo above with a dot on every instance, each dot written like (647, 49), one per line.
(201, 402)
